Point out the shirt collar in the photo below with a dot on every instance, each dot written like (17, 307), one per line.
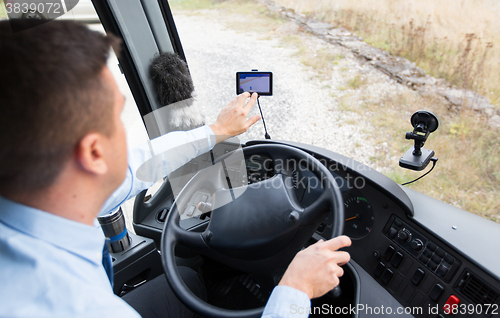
(77, 238)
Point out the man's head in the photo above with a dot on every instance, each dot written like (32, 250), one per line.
(56, 94)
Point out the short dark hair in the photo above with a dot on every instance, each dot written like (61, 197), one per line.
(51, 95)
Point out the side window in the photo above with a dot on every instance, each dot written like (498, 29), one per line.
(146, 28)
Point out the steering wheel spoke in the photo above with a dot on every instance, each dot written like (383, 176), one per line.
(193, 240)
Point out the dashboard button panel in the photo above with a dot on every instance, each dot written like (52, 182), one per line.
(434, 257)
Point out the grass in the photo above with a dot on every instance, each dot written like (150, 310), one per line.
(448, 42)
(319, 60)
(356, 82)
(457, 41)
(467, 174)
(192, 4)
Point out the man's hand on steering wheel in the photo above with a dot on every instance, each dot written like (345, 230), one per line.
(316, 269)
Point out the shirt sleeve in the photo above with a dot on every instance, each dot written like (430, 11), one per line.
(168, 153)
(287, 302)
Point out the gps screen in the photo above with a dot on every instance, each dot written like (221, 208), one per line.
(259, 82)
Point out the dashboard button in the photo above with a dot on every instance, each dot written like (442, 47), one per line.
(431, 246)
(190, 210)
(162, 215)
(398, 222)
(442, 270)
(392, 233)
(395, 283)
(407, 293)
(320, 228)
(427, 252)
(427, 284)
(406, 266)
(424, 259)
(432, 266)
(439, 252)
(386, 277)
(450, 304)
(404, 235)
(436, 259)
(417, 245)
(389, 252)
(448, 259)
(396, 261)
(436, 292)
(379, 269)
(418, 276)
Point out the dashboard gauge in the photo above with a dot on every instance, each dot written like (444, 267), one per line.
(358, 217)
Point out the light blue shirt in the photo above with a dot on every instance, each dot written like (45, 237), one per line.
(52, 267)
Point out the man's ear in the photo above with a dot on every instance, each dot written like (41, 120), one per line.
(90, 154)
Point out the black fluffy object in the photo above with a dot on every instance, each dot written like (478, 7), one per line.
(171, 78)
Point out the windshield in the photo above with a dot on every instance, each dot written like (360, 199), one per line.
(348, 75)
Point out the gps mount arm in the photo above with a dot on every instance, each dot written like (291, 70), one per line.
(417, 158)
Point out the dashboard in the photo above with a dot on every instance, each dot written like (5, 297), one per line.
(420, 269)
(398, 250)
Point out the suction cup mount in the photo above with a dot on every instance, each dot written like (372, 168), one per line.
(424, 123)
(417, 158)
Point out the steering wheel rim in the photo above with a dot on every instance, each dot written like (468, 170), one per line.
(174, 234)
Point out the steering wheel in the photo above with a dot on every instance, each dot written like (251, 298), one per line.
(255, 228)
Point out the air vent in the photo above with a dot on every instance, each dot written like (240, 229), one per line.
(476, 290)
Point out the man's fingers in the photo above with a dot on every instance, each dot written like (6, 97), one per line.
(342, 257)
(252, 120)
(250, 103)
(242, 98)
(338, 242)
(340, 272)
(245, 95)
